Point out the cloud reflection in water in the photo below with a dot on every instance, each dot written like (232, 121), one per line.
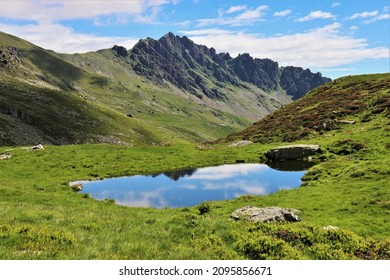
(191, 187)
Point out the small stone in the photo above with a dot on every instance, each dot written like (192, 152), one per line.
(330, 227)
(37, 147)
(5, 156)
(77, 187)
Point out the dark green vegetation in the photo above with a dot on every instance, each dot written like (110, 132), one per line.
(345, 102)
(159, 92)
(42, 218)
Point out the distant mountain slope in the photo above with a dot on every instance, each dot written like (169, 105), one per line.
(343, 102)
(158, 92)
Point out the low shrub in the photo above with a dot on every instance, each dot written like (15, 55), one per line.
(204, 207)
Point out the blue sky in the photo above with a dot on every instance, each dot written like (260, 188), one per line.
(337, 38)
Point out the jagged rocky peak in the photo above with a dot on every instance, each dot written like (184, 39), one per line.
(298, 81)
(199, 69)
(120, 51)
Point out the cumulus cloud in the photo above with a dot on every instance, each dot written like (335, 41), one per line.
(252, 14)
(316, 15)
(377, 18)
(321, 47)
(45, 16)
(64, 39)
(234, 9)
(248, 17)
(55, 11)
(282, 13)
(364, 15)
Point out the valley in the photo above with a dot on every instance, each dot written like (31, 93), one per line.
(114, 96)
(107, 114)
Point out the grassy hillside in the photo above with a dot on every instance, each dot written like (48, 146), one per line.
(42, 218)
(341, 104)
(96, 97)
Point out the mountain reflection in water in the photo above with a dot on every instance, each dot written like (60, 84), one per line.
(189, 187)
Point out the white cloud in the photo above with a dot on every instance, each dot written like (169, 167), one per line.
(239, 186)
(64, 39)
(377, 18)
(210, 31)
(321, 47)
(337, 69)
(250, 16)
(103, 12)
(353, 27)
(46, 31)
(335, 4)
(226, 171)
(316, 15)
(235, 9)
(54, 11)
(282, 13)
(364, 15)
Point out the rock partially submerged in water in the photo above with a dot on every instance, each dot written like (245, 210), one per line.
(292, 152)
(266, 215)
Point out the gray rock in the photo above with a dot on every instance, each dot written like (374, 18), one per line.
(292, 152)
(265, 215)
(5, 156)
(37, 147)
(77, 187)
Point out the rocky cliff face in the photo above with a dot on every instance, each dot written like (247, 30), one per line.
(202, 71)
(298, 81)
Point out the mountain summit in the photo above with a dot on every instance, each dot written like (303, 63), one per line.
(192, 67)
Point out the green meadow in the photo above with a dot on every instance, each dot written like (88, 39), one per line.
(43, 218)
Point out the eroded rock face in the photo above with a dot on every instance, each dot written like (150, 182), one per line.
(265, 215)
(292, 152)
(120, 51)
(191, 67)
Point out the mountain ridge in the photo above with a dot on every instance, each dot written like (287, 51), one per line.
(159, 91)
(179, 59)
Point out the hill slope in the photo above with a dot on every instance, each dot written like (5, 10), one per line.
(157, 92)
(345, 102)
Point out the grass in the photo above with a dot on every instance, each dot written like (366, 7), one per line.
(42, 218)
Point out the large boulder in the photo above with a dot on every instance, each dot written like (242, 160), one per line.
(265, 215)
(292, 152)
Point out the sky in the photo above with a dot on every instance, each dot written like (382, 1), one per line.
(336, 38)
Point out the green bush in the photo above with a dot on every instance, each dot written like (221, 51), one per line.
(204, 207)
(261, 247)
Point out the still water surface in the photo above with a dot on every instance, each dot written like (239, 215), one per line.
(190, 187)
